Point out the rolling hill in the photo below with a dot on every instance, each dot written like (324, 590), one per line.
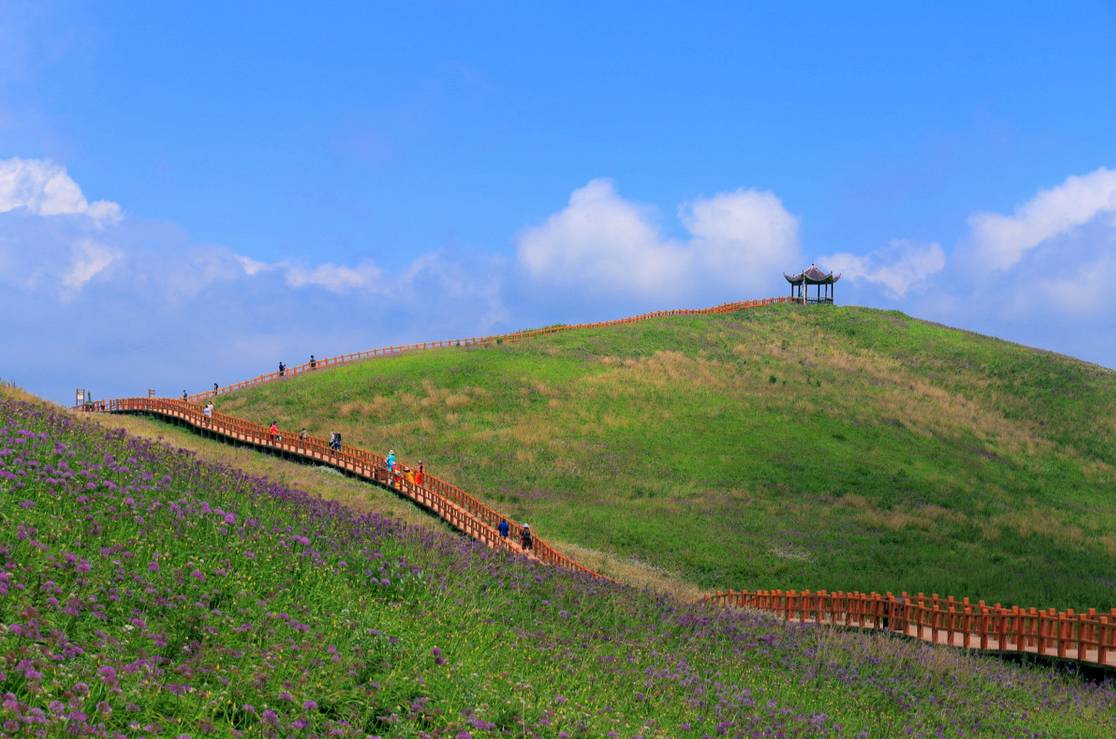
(789, 447)
(144, 592)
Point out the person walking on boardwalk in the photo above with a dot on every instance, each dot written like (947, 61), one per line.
(503, 528)
(525, 538)
(215, 388)
(420, 476)
(207, 411)
(409, 475)
(335, 441)
(390, 460)
(313, 362)
(282, 369)
(273, 432)
(184, 396)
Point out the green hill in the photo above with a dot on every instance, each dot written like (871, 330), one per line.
(146, 593)
(837, 448)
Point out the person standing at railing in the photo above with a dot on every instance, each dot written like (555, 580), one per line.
(207, 411)
(503, 528)
(335, 441)
(420, 476)
(302, 438)
(184, 396)
(409, 475)
(390, 460)
(282, 369)
(215, 388)
(313, 362)
(525, 538)
(273, 432)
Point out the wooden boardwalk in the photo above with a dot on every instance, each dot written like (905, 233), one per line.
(453, 505)
(1089, 637)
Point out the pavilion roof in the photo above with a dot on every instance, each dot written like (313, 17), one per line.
(812, 275)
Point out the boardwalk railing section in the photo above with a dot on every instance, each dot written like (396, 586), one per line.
(457, 507)
(390, 351)
(1085, 637)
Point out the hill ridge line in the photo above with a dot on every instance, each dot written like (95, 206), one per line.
(390, 351)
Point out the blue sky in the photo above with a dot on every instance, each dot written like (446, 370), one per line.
(189, 194)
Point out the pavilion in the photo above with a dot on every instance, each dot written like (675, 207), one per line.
(812, 275)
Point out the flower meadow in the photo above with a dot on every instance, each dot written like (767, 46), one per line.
(144, 593)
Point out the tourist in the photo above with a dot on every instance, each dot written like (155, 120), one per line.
(390, 460)
(503, 528)
(207, 411)
(335, 441)
(408, 475)
(525, 538)
(420, 476)
(184, 396)
(282, 369)
(273, 431)
(313, 362)
(215, 388)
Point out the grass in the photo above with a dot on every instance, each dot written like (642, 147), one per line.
(830, 447)
(144, 592)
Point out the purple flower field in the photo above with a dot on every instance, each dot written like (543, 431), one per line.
(143, 593)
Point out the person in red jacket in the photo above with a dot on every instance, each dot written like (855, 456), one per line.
(273, 432)
(420, 476)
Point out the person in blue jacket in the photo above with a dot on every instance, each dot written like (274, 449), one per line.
(391, 460)
(503, 528)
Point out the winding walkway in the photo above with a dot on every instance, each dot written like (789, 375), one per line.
(450, 503)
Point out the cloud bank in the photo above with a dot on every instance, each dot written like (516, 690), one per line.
(899, 267)
(1002, 241)
(94, 297)
(601, 243)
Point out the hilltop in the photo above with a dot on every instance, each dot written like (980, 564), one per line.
(780, 447)
(143, 591)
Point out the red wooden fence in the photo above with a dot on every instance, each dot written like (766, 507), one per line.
(343, 359)
(1084, 637)
(457, 507)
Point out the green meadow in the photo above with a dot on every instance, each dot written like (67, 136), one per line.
(783, 447)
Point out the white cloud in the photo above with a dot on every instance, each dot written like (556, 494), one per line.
(603, 243)
(600, 240)
(1000, 241)
(742, 230)
(900, 266)
(89, 259)
(334, 277)
(45, 189)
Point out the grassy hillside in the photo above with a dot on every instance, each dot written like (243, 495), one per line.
(837, 448)
(144, 593)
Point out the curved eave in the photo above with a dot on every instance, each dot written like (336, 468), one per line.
(801, 278)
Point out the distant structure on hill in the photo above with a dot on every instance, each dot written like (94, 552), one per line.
(812, 275)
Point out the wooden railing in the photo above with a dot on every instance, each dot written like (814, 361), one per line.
(389, 351)
(1085, 637)
(455, 506)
